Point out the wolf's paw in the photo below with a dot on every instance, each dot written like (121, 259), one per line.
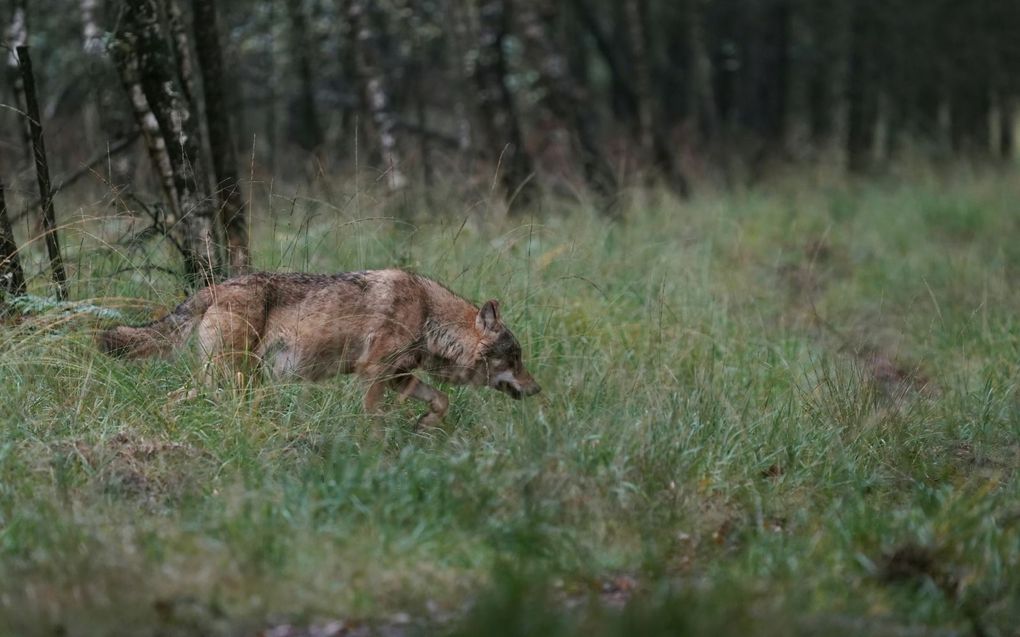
(427, 420)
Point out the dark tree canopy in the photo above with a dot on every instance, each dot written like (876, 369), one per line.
(507, 99)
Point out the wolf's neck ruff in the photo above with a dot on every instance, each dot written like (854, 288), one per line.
(442, 340)
(447, 334)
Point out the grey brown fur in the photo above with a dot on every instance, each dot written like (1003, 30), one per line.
(379, 324)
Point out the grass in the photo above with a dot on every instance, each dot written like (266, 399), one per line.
(792, 410)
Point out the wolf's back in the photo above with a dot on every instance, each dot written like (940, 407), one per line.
(160, 337)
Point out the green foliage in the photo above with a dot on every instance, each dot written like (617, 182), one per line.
(776, 412)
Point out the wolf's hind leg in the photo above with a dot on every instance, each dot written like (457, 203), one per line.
(226, 340)
(283, 362)
(410, 386)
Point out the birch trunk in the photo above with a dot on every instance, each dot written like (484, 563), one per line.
(564, 97)
(123, 52)
(303, 116)
(650, 131)
(91, 34)
(498, 113)
(374, 91)
(182, 53)
(180, 131)
(17, 35)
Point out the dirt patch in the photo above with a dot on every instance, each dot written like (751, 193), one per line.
(132, 466)
(814, 265)
(893, 376)
(987, 462)
(612, 591)
(914, 563)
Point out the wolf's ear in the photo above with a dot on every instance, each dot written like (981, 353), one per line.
(488, 317)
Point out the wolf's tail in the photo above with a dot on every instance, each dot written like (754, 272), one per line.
(160, 337)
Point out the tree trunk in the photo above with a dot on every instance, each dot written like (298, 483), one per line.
(421, 117)
(862, 97)
(703, 110)
(623, 91)
(42, 173)
(375, 96)
(970, 105)
(12, 277)
(1007, 127)
(183, 58)
(651, 133)
(224, 159)
(777, 70)
(423, 51)
(642, 76)
(348, 71)
(175, 123)
(94, 118)
(464, 44)
(421, 92)
(564, 97)
(274, 74)
(91, 33)
(827, 72)
(182, 53)
(125, 59)
(496, 107)
(17, 35)
(303, 118)
(797, 111)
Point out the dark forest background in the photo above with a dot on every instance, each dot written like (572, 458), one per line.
(509, 97)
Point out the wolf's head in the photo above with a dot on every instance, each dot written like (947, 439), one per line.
(499, 363)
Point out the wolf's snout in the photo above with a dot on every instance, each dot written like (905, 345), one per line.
(516, 387)
(527, 386)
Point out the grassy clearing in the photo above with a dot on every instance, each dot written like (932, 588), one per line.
(791, 410)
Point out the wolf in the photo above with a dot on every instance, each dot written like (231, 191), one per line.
(383, 325)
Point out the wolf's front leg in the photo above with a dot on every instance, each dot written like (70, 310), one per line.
(411, 387)
(372, 396)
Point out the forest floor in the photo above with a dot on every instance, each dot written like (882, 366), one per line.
(789, 410)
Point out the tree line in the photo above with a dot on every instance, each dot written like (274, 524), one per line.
(516, 97)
